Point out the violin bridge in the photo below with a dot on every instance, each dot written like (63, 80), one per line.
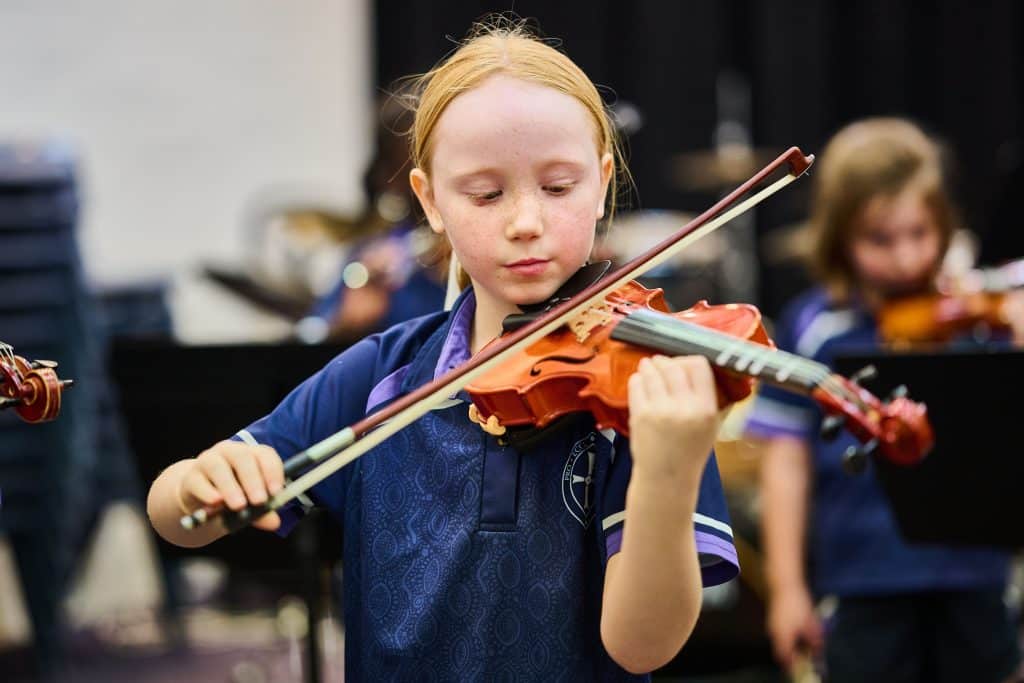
(595, 316)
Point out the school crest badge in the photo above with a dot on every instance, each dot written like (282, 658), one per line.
(578, 480)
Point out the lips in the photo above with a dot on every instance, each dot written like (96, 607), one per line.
(528, 266)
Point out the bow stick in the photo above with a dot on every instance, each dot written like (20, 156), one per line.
(346, 445)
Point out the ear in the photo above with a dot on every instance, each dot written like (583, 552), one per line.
(420, 183)
(607, 165)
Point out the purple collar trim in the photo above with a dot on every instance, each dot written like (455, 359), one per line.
(455, 350)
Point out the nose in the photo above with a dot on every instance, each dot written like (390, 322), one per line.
(527, 220)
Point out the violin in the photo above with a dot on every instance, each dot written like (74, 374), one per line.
(585, 366)
(978, 297)
(897, 429)
(30, 387)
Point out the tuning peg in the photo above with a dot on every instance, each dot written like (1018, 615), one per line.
(36, 364)
(855, 459)
(865, 374)
(898, 392)
(830, 426)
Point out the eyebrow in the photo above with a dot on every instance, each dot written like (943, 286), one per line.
(493, 172)
(479, 173)
(558, 164)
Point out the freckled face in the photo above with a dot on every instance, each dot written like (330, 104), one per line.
(896, 245)
(517, 184)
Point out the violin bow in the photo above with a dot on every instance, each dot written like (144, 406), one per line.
(348, 444)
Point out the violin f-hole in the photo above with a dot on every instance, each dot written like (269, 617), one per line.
(572, 360)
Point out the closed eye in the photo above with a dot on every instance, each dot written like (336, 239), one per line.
(485, 197)
(558, 189)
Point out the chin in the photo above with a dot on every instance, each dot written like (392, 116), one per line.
(527, 297)
(901, 289)
(528, 292)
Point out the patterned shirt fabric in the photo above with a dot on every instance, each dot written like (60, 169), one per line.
(463, 559)
(855, 544)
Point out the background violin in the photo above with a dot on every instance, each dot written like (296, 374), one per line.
(586, 366)
(30, 387)
(978, 297)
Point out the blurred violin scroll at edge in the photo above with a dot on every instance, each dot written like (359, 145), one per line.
(30, 387)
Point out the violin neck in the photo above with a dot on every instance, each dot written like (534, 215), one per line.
(675, 337)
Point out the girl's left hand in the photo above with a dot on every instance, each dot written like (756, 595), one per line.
(673, 415)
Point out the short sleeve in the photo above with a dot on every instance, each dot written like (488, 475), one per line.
(780, 413)
(328, 401)
(715, 549)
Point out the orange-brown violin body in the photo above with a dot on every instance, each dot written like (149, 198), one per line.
(585, 366)
(581, 368)
(976, 297)
(940, 317)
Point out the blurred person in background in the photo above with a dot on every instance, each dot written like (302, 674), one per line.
(882, 220)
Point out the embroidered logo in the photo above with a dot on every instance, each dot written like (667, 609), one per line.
(578, 480)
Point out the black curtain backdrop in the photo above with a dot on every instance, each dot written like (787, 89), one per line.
(956, 67)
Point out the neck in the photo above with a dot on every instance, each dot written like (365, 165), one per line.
(487, 319)
(872, 298)
(670, 335)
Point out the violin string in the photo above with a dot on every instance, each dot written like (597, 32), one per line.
(805, 371)
(344, 446)
(7, 355)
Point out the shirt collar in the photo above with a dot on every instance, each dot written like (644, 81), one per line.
(447, 348)
(455, 350)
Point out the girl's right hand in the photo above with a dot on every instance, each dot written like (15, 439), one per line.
(793, 626)
(233, 475)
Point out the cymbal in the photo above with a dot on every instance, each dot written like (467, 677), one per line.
(788, 244)
(717, 169)
(635, 232)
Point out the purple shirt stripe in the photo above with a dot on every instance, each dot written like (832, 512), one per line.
(708, 546)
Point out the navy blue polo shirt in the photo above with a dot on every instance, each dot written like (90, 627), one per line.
(855, 544)
(463, 559)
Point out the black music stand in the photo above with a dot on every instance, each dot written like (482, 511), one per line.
(966, 490)
(178, 400)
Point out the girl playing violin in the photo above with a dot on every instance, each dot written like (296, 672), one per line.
(582, 558)
(882, 218)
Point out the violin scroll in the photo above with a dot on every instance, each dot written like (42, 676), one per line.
(898, 428)
(30, 387)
